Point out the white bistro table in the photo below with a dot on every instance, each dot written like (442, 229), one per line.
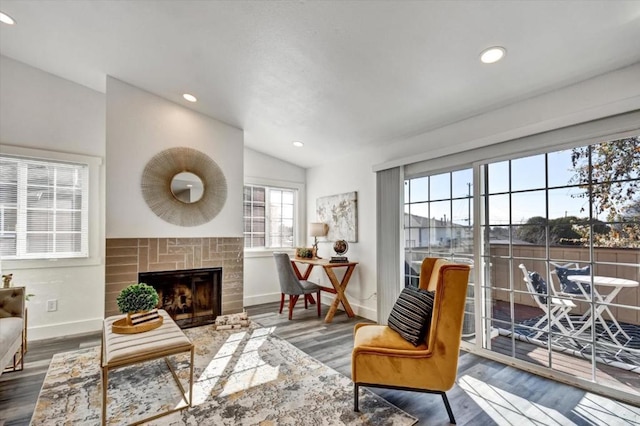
(616, 284)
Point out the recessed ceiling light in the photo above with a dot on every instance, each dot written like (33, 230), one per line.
(298, 144)
(492, 54)
(6, 19)
(190, 98)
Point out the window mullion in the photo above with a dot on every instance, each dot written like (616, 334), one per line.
(54, 212)
(267, 217)
(21, 220)
(84, 214)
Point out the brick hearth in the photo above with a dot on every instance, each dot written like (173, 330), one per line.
(128, 256)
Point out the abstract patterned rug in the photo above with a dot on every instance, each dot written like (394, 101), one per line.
(242, 377)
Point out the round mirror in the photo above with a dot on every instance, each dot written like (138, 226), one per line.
(165, 189)
(187, 187)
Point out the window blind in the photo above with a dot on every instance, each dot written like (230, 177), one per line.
(43, 208)
(388, 235)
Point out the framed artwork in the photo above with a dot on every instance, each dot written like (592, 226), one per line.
(340, 212)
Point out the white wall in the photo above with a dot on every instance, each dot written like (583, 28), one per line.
(357, 176)
(602, 96)
(260, 277)
(606, 95)
(139, 126)
(261, 166)
(41, 111)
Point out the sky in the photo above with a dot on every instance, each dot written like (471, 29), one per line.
(527, 174)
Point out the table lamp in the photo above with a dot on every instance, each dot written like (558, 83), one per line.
(317, 229)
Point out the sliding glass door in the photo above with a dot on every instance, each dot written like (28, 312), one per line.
(562, 253)
(556, 257)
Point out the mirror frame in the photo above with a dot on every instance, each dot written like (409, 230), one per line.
(156, 186)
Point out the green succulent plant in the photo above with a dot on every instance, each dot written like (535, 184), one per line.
(136, 298)
(304, 252)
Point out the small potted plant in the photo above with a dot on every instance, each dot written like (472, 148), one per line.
(304, 252)
(137, 298)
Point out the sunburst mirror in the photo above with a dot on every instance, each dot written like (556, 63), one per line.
(184, 187)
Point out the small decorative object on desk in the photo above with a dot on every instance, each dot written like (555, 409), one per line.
(139, 302)
(340, 247)
(304, 252)
(231, 321)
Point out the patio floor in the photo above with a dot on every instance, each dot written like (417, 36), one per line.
(615, 366)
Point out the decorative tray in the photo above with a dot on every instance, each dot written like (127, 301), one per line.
(122, 326)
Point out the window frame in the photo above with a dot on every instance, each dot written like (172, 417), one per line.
(94, 222)
(579, 134)
(298, 213)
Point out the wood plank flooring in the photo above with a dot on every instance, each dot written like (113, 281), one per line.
(487, 392)
(627, 381)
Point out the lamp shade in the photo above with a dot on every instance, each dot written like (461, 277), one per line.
(318, 229)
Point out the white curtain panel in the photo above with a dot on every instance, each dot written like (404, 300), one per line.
(389, 190)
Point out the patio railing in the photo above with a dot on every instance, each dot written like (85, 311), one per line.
(611, 262)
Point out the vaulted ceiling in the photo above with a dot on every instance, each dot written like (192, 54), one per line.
(337, 76)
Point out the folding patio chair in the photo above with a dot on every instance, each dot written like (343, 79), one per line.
(553, 307)
(570, 288)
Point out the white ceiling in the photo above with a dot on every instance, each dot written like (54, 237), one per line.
(338, 76)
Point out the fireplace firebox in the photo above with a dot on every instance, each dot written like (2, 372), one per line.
(192, 297)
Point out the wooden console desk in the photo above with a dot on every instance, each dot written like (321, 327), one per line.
(339, 287)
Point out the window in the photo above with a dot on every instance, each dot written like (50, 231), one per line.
(269, 216)
(43, 208)
(438, 219)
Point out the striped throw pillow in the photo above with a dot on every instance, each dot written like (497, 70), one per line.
(411, 315)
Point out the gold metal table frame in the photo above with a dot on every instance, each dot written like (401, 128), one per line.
(162, 342)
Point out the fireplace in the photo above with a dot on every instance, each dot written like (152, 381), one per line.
(192, 297)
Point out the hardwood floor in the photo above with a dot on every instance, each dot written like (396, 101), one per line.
(487, 392)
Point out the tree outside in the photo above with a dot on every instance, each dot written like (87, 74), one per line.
(610, 173)
(568, 230)
(613, 168)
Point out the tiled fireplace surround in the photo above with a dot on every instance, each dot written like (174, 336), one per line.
(125, 257)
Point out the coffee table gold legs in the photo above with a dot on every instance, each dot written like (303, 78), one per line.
(188, 396)
(105, 381)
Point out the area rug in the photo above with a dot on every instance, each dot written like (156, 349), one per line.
(626, 357)
(242, 377)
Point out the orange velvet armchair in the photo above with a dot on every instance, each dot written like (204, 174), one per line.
(382, 358)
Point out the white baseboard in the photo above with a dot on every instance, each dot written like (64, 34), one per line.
(63, 329)
(363, 311)
(261, 298)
